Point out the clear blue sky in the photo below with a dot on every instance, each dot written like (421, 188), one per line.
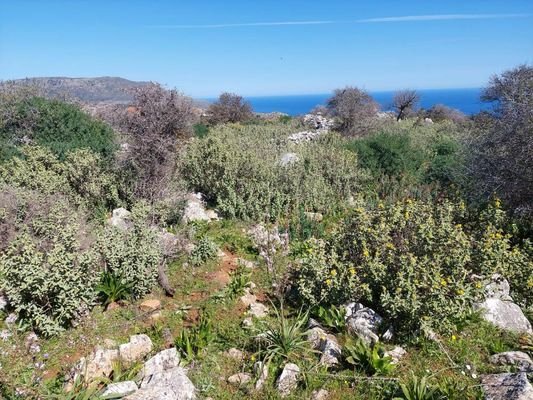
(257, 47)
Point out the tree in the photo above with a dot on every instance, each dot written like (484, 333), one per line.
(502, 161)
(440, 112)
(354, 110)
(229, 108)
(404, 102)
(154, 124)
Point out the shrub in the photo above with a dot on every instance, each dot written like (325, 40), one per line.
(371, 359)
(192, 341)
(229, 108)
(204, 250)
(133, 255)
(46, 272)
(112, 289)
(238, 168)
(58, 126)
(331, 317)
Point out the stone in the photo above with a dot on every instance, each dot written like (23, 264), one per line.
(363, 322)
(288, 380)
(288, 159)
(261, 371)
(236, 354)
(112, 306)
(135, 350)
(171, 384)
(99, 364)
(196, 211)
(505, 315)
(331, 354)
(316, 336)
(120, 389)
(498, 288)
(428, 121)
(518, 359)
(247, 322)
(162, 361)
(155, 317)
(239, 379)
(305, 136)
(245, 263)
(321, 394)
(312, 216)
(121, 218)
(318, 122)
(248, 299)
(507, 387)
(396, 354)
(258, 310)
(150, 305)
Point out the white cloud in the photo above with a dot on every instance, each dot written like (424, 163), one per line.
(441, 17)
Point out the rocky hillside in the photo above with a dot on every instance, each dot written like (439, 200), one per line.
(91, 90)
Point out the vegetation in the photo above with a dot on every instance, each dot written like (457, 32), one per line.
(229, 108)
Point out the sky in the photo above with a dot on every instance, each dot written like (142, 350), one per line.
(268, 47)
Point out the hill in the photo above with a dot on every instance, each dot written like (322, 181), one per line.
(88, 90)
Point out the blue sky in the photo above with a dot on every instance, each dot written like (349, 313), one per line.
(267, 47)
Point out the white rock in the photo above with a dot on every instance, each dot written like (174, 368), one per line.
(162, 361)
(195, 210)
(261, 371)
(120, 389)
(396, 354)
(236, 354)
(135, 350)
(519, 359)
(505, 315)
(248, 299)
(321, 394)
(288, 159)
(239, 379)
(247, 322)
(172, 384)
(121, 218)
(312, 216)
(99, 364)
(258, 310)
(288, 380)
(363, 322)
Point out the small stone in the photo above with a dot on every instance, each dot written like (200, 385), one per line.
(321, 394)
(363, 322)
(236, 354)
(507, 387)
(112, 306)
(245, 263)
(288, 380)
(239, 379)
(247, 322)
(331, 354)
(155, 317)
(258, 310)
(135, 350)
(120, 389)
(396, 354)
(518, 359)
(248, 299)
(150, 305)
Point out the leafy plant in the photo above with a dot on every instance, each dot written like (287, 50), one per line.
(240, 280)
(192, 341)
(417, 389)
(368, 358)
(112, 289)
(285, 339)
(204, 250)
(331, 317)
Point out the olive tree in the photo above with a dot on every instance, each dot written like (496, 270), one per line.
(354, 110)
(229, 107)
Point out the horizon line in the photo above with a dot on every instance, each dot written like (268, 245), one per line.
(407, 18)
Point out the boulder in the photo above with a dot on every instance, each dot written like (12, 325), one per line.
(196, 211)
(99, 364)
(162, 361)
(119, 389)
(363, 322)
(288, 380)
(171, 384)
(518, 359)
(121, 218)
(239, 379)
(135, 350)
(505, 315)
(507, 387)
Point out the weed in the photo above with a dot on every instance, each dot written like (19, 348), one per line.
(112, 289)
(369, 358)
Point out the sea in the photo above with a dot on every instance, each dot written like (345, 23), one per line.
(465, 100)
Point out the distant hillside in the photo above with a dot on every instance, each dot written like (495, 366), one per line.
(88, 90)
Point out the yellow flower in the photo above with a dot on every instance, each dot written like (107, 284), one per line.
(380, 205)
(454, 338)
(462, 205)
(406, 215)
(458, 226)
(409, 201)
(460, 292)
(389, 245)
(352, 271)
(333, 272)
(478, 285)
(443, 282)
(366, 253)
(252, 358)
(328, 282)
(497, 203)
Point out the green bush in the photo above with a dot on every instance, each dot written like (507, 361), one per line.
(204, 251)
(370, 359)
(133, 254)
(46, 271)
(238, 168)
(59, 126)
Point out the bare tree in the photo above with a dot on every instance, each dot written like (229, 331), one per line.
(154, 124)
(502, 160)
(229, 108)
(354, 110)
(404, 102)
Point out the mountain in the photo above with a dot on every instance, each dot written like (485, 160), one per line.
(87, 90)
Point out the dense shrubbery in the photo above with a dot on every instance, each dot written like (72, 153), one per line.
(413, 262)
(132, 256)
(59, 126)
(47, 271)
(240, 170)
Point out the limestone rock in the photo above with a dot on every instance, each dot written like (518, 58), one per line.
(150, 305)
(120, 389)
(321, 394)
(239, 379)
(507, 387)
(195, 210)
(135, 350)
(288, 159)
(162, 361)
(518, 359)
(498, 288)
(312, 216)
(258, 310)
(248, 299)
(396, 354)
(235, 354)
(288, 380)
(121, 218)
(247, 322)
(505, 315)
(99, 364)
(171, 384)
(363, 322)
(331, 354)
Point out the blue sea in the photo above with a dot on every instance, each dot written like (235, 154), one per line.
(465, 100)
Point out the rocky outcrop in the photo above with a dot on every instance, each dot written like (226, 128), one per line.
(136, 349)
(518, 359)
(318, 122)
(327, 344)
(499, 309)
(363, 322)
(507, 387)
(120, 218)
(195, 210)
(119, 389)
(239, 379)
(171, 384)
